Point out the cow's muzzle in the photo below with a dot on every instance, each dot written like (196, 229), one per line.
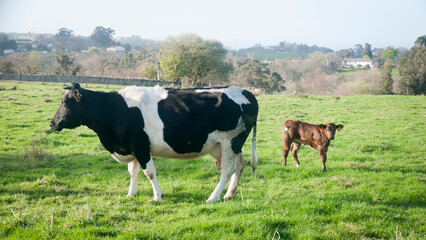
(54, 127)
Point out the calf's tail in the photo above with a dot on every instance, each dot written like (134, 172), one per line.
(253, 152)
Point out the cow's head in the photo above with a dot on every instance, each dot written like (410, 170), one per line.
(68, 114)
(330, 129)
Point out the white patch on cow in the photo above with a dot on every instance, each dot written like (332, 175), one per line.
(286, 129)
(146, 99)
(123, 158)
(233, 92)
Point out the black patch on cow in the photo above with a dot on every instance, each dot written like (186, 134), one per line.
(119, 128)
(189, 117)
(249, 117)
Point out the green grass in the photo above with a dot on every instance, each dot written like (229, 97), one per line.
(65, 186)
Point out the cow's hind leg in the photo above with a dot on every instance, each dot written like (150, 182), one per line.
(232, 189)
(229, 160)
(150, 173)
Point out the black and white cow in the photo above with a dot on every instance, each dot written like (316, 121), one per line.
(140, 122)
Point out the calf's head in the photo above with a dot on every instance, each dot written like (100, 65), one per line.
(330, 129)
(68, 113)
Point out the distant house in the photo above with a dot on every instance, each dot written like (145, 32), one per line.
(356, 63)
(116, 49)
(24, 42)
(8, 51)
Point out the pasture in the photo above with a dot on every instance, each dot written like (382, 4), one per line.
(66, 186)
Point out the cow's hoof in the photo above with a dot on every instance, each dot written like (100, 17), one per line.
(157, 199)
(228, 196)
(211, 200)
(153, 201)
(131, 195)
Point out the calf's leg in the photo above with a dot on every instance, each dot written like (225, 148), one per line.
(323, 156)
(286, 149)
(294, 148)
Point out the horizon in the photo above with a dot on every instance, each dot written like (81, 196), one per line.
(236, 24)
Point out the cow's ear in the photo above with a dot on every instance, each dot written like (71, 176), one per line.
(76, 90)
(339, 127)
(77, 95)
(322, 126)
(73, 86)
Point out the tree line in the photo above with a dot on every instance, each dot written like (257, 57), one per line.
(197, 62)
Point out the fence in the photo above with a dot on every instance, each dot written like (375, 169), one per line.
(81, 79)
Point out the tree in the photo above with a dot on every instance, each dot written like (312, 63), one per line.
(102, 36)
(127, 47)
(194, 61)
(386, 81)
(420, 41)
(101, 66)
(93, 50)
(390, 52)
(412, 68)
(5, 43)
(31, 64)
(359, 50)
(64, 38)
(129, 61)
(6, 66)
(367, 51)
(254, 74)
(66, 66)
(65, 32)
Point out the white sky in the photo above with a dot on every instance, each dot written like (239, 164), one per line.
(237, 24)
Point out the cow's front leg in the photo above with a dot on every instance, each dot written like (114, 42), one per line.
(323, 155)
(150, 173)
(133, 168)
(228, 168)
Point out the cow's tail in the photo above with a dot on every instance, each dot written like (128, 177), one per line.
(253, 152)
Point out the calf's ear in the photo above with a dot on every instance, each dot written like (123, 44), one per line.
(322, 126)
(339, 127)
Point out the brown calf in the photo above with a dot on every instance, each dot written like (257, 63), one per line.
(316, 136)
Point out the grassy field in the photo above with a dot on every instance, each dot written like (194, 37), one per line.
(65, 186)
